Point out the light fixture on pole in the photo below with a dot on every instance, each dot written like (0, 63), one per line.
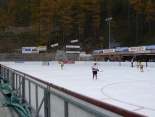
(108, 20)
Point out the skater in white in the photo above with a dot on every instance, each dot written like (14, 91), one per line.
(141, 66)
(95, 70)
(137, 64)
(62, 64)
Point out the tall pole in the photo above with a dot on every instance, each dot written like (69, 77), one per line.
(109, 40)
(108, 19)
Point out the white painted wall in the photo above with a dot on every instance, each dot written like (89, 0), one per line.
(148, 64)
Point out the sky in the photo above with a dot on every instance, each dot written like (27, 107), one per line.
(122, 86)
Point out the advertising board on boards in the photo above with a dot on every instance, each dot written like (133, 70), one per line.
(30, 50)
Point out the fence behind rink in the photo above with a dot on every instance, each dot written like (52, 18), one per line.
(49, 100)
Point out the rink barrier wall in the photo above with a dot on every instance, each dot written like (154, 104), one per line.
(145, 64)
(49, 100)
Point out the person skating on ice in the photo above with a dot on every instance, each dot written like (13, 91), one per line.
(95, 70)
(141, 66)
(62, 64)
(137, 64)
(132, 60)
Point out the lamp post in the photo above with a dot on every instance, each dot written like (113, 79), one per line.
(108, 19)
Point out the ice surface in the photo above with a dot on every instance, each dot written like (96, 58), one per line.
(121, 86)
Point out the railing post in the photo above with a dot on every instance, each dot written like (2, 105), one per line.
(12, 81)
(0, 68)
(36, 90)
(65, 109)
(23, 89)
(47, 102)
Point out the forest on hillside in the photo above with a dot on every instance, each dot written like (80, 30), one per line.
(59, 21)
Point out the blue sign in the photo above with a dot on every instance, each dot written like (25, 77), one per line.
(97, 51)
(150, 47)
(126, 49)
(27, 49)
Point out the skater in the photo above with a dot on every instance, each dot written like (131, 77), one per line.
(132, 62)
(137, 64)
(95, 70)
(62, 64)
(141, 66)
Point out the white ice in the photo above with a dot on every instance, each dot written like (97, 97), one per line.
(121, 86)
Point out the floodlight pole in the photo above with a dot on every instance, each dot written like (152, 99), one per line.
(108, 19)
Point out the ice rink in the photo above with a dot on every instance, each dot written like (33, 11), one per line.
(122, 86)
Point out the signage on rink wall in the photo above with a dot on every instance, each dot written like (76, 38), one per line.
(42, 48)
(73, 41)
(97, 51)
(108, 50)
(53, 45)
(72, 49)
(152, 47)
(34, 50)
(123, 49)
(83, 54)
(26, 50)
(68, 62)
(143, 51)
(30, 50)
(137, 48)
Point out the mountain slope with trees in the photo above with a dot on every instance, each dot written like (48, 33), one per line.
(59, 21)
